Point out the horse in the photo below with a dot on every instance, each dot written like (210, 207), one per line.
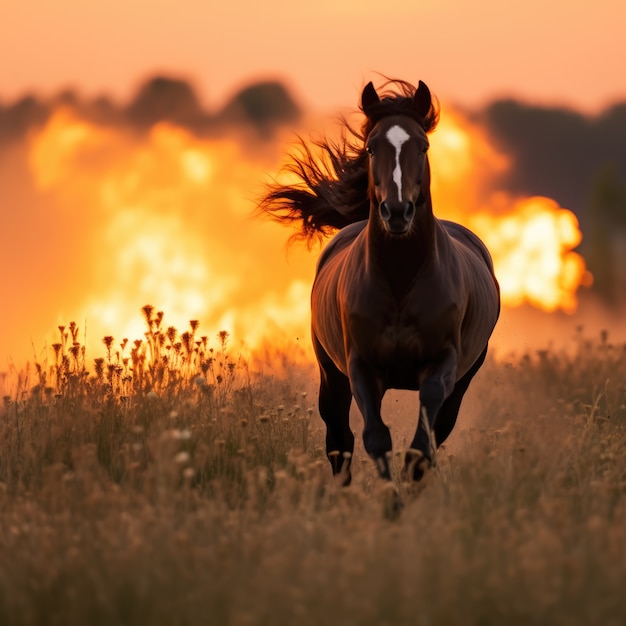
(400, 299)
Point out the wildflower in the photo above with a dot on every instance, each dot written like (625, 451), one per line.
(152, 395)
(147, 311)
(182, 458)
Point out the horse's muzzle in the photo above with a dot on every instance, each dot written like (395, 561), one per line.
(397, 216)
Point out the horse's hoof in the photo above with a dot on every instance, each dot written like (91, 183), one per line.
(415, 465)
(334, 456)
(340, 464)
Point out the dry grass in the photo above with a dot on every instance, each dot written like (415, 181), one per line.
(175, 486)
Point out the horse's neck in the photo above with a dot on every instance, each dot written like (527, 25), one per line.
(400, 259)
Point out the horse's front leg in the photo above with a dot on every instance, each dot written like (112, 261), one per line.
(334, 406)
(434, 390)
(368, 391)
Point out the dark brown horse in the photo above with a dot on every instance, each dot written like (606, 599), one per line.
(401, 299)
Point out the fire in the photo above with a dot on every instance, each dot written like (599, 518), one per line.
(531, 240)
(173, 229)
(164, 218)
(532, 250)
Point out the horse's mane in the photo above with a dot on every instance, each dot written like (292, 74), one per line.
(332, 187)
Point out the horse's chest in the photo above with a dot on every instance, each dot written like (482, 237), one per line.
(396, 337)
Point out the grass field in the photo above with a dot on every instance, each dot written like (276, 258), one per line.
(170, 482)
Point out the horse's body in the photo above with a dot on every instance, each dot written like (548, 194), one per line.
(401, 338)
(400, 299)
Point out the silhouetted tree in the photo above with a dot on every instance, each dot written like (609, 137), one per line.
(263, 105)
(17, 118)
(553, 151)
(166, 99)
(607, 234)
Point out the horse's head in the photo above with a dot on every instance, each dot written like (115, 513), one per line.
(399, 176)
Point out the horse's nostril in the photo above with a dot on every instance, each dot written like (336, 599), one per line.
(385, 211)
(409, 209)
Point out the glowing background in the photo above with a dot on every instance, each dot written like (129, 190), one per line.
(97, 222)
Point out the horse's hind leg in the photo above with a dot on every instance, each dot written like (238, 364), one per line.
(429, 435)
(450, 409)
(334, 407)
(434, 390)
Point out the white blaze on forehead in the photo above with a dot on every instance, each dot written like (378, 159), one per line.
(397, 136)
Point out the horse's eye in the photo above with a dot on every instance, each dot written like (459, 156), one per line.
(369, 150)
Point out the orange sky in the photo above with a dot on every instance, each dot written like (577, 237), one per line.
(550, 51)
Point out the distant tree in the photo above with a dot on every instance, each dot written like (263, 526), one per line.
(553, 149)
(166, 99)
(263, 105)
(608, 200)
(17, 118)
(607, 234)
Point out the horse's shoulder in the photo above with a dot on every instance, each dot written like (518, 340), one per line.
(469, 239)
(340, 241)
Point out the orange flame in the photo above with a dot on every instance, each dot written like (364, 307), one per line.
(174, 230)
(166, 217)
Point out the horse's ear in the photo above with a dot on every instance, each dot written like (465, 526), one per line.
(369, 97)
(422, 99)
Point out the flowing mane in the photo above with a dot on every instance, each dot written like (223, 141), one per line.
(332, 187)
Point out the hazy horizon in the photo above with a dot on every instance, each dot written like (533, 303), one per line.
(557, 53)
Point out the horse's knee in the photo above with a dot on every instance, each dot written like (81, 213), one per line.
(432, 396)
(377, 440)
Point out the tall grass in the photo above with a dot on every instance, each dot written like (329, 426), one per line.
(170, 483)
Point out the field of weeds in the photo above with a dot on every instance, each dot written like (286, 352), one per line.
(170, 482)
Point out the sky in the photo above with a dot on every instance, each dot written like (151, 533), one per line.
(564, 52)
